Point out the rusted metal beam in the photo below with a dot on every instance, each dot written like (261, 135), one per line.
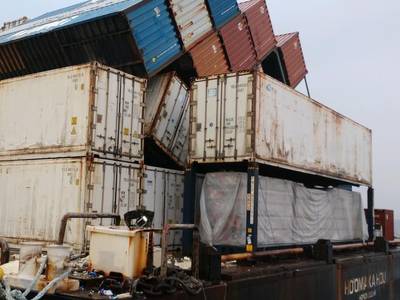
(5, 252)
(196, 247)
(68, 216)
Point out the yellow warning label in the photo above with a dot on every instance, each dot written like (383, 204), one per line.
(126, 131)
(74, 121)
(249, 230)
(249, 248)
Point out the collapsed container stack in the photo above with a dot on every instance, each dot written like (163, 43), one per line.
(117, 136)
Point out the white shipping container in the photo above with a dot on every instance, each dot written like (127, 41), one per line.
(36, 194)
(164, 195)
(166, 102)
(192, 19)
(180, 146)
(86, 108)
(250, 116)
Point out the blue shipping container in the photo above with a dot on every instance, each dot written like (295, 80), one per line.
(222, 11)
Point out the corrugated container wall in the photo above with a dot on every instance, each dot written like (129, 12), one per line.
(192, 19)
(222, 11)
(259, 22)
(135, 36)
(209, 57)
(36, 194)
(83, 109)
(250, 116)
(164, 196)
(292, 56)
(167, 98)
(238, 45)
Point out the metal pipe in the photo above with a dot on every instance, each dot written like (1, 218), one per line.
(196, 247)
(5, 252)
(245, 256)
(68, 216)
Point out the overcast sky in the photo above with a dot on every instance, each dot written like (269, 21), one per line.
(352, 50)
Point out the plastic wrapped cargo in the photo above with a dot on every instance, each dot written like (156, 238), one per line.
(259, 22)
(238, 45)
(292, 56)
(222, 11)
(36, 194)
(86, 109)
(253, 117)
(164, 195)
(132, 35)
(209, 57)
(167, 99)
(288, 212)
(192, 19)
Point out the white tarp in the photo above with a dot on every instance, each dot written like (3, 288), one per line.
(288, 212)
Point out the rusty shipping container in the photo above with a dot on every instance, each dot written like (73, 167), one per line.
(86, 109)
(251, 116)
(259, 21)
(36, 194)
(292, 56)
(167, 98)
(192, 19)
(209, 57)
(238, 45)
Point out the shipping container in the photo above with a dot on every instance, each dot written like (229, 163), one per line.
(138, 37)
(90, 109)
(209, 57)
(167, 98)
(164, 196)
(180, 146)
(252, 117)
(222, 11)
(292, 56)
(238, 45)
(36, 194)
(259, 22)
(192, 19)
(385, 218)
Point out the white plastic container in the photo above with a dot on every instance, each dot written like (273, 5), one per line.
(87, 109)
(251, 116)
(118, 250)
(166, 102)
(36, 194)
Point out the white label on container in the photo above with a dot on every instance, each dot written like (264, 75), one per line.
(240, 26)
(212, 92)
(157, 10)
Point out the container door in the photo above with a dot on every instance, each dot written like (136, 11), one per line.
(171, 113)
(207, 97)
(180, 146)
(238, 95)
(118, 113)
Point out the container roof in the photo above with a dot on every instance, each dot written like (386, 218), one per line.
(282, 39)
(71, 15)
(246, 5)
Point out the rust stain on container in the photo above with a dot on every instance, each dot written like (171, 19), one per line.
(292, 54)
(238, 44)
(259, 22)
(209, 56)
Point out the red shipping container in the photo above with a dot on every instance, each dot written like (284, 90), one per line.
(209, 57)
(293, 59)
(385, 218)
(238, 45)
(259, 22)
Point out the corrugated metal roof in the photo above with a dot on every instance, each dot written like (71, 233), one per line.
(260, 25)
(137, 36)
(222, 11)
(68, 16)
(293, 59)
